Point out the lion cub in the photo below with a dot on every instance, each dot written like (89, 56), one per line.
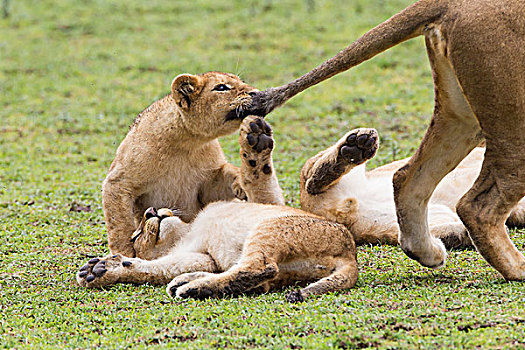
(235, 247)
(335, 185)
(171, 157)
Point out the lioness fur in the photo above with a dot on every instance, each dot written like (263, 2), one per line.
(335, 184)
(477, 53)
(235, 247)
(171, 158)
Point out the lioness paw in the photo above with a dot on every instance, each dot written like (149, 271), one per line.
(358, 145)
(101, 272)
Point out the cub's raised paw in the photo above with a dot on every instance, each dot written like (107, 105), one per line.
(358, 145)
(256, 147)
(256, 135)
(101, 272)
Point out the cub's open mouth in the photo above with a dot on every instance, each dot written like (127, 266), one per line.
(238, 113)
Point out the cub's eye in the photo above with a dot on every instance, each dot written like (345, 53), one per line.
(221, 87)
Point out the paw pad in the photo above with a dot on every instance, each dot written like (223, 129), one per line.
(259, 135)
(94, 273)
(295, 296)
(359, 146)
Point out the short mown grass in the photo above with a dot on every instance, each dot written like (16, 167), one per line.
(73, 74)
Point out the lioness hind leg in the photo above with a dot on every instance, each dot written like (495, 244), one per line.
(327, 167)
(258, 178)
(344, 277)
(485, 207)
(102, 272)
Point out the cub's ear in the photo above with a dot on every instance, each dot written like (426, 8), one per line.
(185, 88)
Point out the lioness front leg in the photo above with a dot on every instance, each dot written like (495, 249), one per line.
(258, 178)
(102, 272)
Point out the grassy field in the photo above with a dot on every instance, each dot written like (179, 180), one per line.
(73, 75)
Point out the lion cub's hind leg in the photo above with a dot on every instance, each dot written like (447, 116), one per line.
(517, 215)
(186, 278)
(183, 279)
(280, 241)
(453, 235)
(326, 169)
(344, 276)
(258, 177)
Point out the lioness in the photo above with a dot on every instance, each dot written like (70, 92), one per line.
(335, 184)
(171, 158)
(234, 247)
(477, 53)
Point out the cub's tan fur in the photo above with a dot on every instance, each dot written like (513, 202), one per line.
(235, 247)
(336, 185)
(171, 157)
(477, 53)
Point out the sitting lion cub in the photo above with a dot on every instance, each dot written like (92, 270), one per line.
(171, 157)
(235, 247)
(335, 185)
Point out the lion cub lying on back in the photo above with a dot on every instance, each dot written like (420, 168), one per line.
(335, 185)
(235, 247)
(171, 158)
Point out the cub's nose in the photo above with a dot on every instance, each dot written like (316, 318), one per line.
(150, 213)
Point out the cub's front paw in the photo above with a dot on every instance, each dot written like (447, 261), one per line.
(183, 279)
(256, 143)
(101, 272)
(238, 191)
(197, 289)
(358, 146)
(256, 134)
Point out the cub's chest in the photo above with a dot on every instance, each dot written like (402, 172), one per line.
(179, 184)
(184, 180)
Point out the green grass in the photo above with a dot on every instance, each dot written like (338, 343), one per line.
(73, 75)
